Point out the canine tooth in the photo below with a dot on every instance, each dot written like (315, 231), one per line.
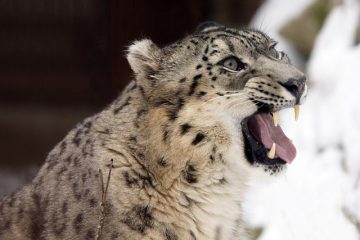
(297, 111)
(271, 153)
(276, 118)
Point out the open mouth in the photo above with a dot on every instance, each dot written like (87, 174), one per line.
(265, 141)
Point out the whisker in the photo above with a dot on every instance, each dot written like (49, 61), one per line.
(244, 96)
(235, 94)
(237, 99)
(262, 104)
(239, 104)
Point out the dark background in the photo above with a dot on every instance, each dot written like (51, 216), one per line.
(63, 60)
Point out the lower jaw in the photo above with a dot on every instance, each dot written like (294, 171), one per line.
(255, 152)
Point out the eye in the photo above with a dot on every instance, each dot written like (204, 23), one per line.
(278, 55)
(232, 63)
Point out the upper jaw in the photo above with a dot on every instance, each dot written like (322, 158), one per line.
(270, 108)
(286, 97)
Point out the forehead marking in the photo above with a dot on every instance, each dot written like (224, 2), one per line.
(230, 45)
(224, 42)
(250, 39)
(206, 49)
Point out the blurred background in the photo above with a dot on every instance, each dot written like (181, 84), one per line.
(63, 60)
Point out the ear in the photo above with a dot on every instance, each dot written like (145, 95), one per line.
(143, 57)
(208, 26)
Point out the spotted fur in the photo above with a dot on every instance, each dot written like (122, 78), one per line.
(174, 135)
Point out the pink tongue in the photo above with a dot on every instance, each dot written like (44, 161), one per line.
(263, 129)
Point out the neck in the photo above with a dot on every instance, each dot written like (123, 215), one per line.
(186, 160)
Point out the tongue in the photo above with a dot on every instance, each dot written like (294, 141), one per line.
(263, 129)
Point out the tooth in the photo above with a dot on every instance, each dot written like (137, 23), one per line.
(276, 118)
(271, 153)
(297, 111)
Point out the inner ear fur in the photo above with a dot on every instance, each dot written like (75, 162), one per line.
(143, 57)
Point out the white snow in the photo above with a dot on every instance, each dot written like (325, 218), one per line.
(323, 182)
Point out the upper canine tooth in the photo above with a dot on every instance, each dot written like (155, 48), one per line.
(271, 153)
(276, 118)
(297, 111)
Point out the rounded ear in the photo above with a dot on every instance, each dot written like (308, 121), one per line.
(208, 26)
(143, 57)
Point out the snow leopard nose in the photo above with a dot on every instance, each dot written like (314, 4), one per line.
(296, 87)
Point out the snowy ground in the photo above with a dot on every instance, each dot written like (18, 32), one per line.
(319, 196)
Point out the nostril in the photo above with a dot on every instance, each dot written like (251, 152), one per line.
(292, 88)
(295, 86)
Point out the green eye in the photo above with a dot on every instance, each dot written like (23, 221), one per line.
(232, 63)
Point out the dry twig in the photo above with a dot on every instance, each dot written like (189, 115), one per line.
(103, 200)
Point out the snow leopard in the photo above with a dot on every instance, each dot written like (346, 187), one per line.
(171, 157)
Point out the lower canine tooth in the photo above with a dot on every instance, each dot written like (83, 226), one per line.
(276, 118)
(297, 111)
(271, 153)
